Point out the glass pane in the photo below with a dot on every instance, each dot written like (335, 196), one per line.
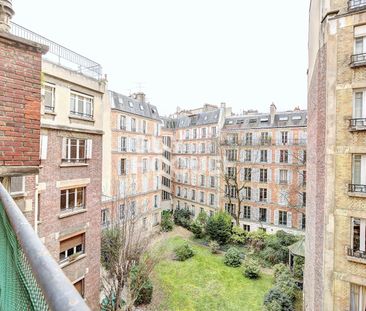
(80, 107)
(63, 199)
(72, 102)
(70, 252)
(357, 169)
(71, 198)
(73, 149)
(359, 45)
(356, 234)
(358, 105)
(81, 149)
(80, 197)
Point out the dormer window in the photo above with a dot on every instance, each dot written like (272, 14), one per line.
(264, 119)
(283, 119)
(141, 107)
(130, 104)
(296, 118)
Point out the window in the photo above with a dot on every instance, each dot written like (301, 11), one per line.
(246, 228)
(72, 199)
(144, 126)
(264, 155)
(264, 138)
(247, 174)
(156, 164)
(165, 196)
(284, 138)
(212, 181)
(212, 199)
(359, 108)
(303, 178)
(213, 131)
(81, 105)
(144, 165)
(49, 97)
(303, 221)
(203, 148)
(282, 218)
(80, 287)
(230, 191)
(133, 144)
(74, 150)
(231, 155)
(193, 195)
(203, 133)
(231, 172)
(359, 170)
(121, 211)
(194, 133)
(262, 195)
(202, 178)
(145, 146)
(359, 46)
(123, 168)
(283, 156)
(17, 185)
(303, 196)
(358, 298)
(248, 155)
(72, 247)
(122, 122)
(248, 139)
(262, 214)
(156, 200)
(133, 124)
(263, 175)
(187, 134)
(123, 144)
(358, 242)
(202, 197)
(283, 176)
(133, 208)
(247, 193)
(230, 208)
(247, 212)
(104, 217)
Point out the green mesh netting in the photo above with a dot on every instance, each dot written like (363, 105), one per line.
(18, 288)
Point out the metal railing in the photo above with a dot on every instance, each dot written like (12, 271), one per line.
(357, 188)
(30, 279)
(358, 59)
(59, 54)
(357, 124)
(356, 4)
(356, 253)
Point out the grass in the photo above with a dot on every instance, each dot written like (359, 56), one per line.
(205, 283)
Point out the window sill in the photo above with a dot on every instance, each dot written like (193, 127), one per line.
(50, 112)
(356, 259)
(357, 194)
(17, 195)
(67, 164)
(67, 214)
(74, 117)
(68, 262)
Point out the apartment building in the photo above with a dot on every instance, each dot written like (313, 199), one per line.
(135, 151)
(335, 274)
(263, 158)
(195, 158)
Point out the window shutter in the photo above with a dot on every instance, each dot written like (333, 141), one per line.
(63, 151)
(134, 166)
(269, 196)
(127, 167)
(242, 153)
(269, 156)
(119, 143)
(289, 219)
(119, 167)
(255, 213)
(289, 156)
(276, 217)
(277, 156)
(299, 220)
(269, 216)
(89, 148)
(128, 123)
(44, 145)
(277, 172)
(290, 176)
(122, 188)
(363, 169)
(128, 144)
(269, 175)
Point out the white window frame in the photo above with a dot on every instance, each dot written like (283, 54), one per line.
(84, 99)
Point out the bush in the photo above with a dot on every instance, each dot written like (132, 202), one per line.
(299, 267)
(219, 227)
(238, 236)
(183, 252)
(251, 269)
(166, 221)
(144, 288)
(214, 246)
(198, 229)
(257, 239)
(202, 217)
(233, 257)
(280, 269)
(276, 297)
(273, 306)
(182, 217)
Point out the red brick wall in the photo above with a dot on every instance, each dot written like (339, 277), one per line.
(20, 98)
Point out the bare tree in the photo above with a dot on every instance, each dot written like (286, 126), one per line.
(125, 247)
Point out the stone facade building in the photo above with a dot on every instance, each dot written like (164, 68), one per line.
(335, 274)
(135, 151)
(263, 156)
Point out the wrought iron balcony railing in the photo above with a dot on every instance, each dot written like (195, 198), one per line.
(356, 4)
(30, 279)
(356, 253)
(357, 188)
(61, 55)
(358, 60)
(357, 124)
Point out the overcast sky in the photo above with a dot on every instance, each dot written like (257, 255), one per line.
(247, 53)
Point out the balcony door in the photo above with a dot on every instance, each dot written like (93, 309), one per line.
(359, 234)
(359, 169)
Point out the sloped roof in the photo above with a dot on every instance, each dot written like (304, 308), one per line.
(298, 248)
(202, 118)
(127, 104)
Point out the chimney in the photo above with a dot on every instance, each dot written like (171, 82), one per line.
(140, 97)
(6, 13)
(273, 110)
(223, 105)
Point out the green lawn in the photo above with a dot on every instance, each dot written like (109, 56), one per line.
(205, 283)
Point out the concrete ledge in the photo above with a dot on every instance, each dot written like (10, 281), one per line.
(71, 129)
(357, 194)
(356, 259)
(41, 48)
(18, 170)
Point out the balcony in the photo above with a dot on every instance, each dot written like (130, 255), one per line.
(356, 255)
(356, 5)
(61, 55)
(357, 190)
(30, 279)
(357, 124)
(358, 60)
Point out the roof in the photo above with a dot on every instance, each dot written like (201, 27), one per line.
(130, 105)
(298, 248)
(199, 119)
(263, 120)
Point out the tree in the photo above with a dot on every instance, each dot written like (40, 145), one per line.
(219, 227)
(123, 248)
